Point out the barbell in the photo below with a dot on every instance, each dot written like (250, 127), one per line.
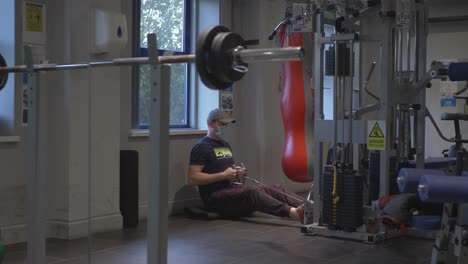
(221, 59)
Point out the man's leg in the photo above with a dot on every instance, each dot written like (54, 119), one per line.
(244, 200)
(291, 198)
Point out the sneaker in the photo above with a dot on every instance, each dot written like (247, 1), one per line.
(300, 212)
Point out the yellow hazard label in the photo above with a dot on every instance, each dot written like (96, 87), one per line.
(376, 131)
(34, 17)
(376, 136)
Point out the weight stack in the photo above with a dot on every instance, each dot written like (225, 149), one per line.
(349, 189)
(329, 216)
(351, 202)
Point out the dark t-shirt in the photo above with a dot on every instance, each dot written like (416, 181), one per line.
(215, 156)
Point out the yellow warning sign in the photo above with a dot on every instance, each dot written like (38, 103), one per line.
(376, 131)
(34, 17)
(376, 136)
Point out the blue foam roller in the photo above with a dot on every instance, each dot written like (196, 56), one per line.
(427, 222)
(443, 189)
(458, 71)
(408, 178)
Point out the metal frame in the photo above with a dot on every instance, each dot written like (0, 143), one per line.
(35, 166)
(356, 131)
(158, 196)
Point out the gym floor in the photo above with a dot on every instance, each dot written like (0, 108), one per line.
(229, 242)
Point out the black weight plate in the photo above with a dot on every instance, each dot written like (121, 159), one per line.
(222, 47)
(3, 75)
(203, 54)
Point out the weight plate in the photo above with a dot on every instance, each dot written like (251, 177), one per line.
(203, 57)
(222, 59)
(3, 75)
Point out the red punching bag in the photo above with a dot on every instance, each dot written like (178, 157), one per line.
(297, 115)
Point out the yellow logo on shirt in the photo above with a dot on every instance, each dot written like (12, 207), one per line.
(223, 153)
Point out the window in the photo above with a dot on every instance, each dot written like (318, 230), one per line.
(170, 20)
(9, 23)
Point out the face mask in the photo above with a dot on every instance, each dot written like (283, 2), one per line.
(221, 132)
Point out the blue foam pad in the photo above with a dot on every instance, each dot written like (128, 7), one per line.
(458, 71)
(410, 178)
(435, 163)
(444, 189)
(426, 222)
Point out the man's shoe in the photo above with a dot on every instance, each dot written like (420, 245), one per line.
(300, 212)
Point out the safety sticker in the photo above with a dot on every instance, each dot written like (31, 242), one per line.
(34, 17)
(376, 134)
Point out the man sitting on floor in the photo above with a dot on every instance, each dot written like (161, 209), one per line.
(212, 169)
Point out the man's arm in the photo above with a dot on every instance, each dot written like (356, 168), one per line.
(197, 177)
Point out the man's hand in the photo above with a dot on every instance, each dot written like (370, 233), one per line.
(241, 172)
(230, 174)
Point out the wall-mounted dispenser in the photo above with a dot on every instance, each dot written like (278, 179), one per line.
(110, 31)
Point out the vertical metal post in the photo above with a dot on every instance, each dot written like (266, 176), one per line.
(335, 106)
(36, 180)
(351, 100)
(421, 43)
(158, 183)
(357, 91)
(318, 86)
(386, 87)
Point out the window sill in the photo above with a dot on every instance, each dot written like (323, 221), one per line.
(9, 139)
(144, 133)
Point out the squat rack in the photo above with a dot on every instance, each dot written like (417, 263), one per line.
(215, 46)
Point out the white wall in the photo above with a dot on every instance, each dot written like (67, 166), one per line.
(70, 147)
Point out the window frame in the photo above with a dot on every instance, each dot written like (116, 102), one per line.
(138, 51)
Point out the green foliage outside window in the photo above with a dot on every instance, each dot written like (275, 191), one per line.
(166, 18)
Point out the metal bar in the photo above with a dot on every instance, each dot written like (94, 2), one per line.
(117, 62)
(318, 86)
(386, 104)
(447, 19)
(158, 151)
(245, 55)
(335, 106)
(369, 74)
(36, 183)
(365, 109)
(408, 55)
(351, 110)
(400, 55)
(344, 155)
(270, 55)
(415, 125)
(421, 20)
(344, 37)
(429, 115)
(369, 238)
